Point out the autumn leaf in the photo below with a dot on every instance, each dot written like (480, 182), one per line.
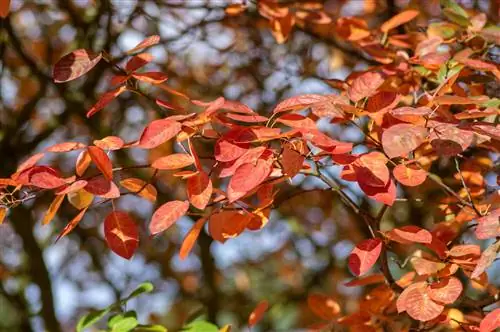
(138, 61)
(158, 132)
(491, 322)
(102, 161)
(417, 303)
(80, 199)
(257, 314)
(75, 186)
(52, 210)
(65, 147)
(173, 161)
(364, 256)
(409, 175)
(151, 77)
(72, 224)
(82, 162)
(45, 177)
(105, 99)
(323, 306)
(227, 224)
(3, 214)
(149, 41)
(121, 234)
(141, 188)
(401, 139)
(75, 64)
(488, 226)
(191, 237)
(365, 85)
(102, 187)
(486, 259)
(445, 291)
(109, 143)
(199, 190)
(410, 234)
(248, 176)
(399, 19)
(166, 215)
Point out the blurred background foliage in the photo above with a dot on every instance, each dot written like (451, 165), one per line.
(206, 54)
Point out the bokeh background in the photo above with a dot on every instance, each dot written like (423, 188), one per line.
(206, 54)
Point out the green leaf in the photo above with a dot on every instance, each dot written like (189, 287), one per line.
(455, 13)
(200, 326)
(150, 328)
(126, 324)
(145, 287)
(494, 103)
(91, 318)
(441, 74)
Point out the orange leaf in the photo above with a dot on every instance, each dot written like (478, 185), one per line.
(323, 306)
(371, 170)
(51, 212)
(4, 9)
(150, 41)
(401, 139)
(173, 161)
(72, 224)
(141, 188)
(30, 162)
(199, 190)
(258, 313)
(227, 224)
(248, 176)
(368, 280)
(82, 162)
(3, 214)
(105, 99)
(299, 102)
(75, 186)
(151, 77)
(409, 175)
(191, 237)
(291, 160)
(410, 234)
(109, 143)
(65, 147)
(102, 161)
(74, 65)
(45, 177)
(364, 255)
(158, 132)
(166, 215)
(121, 234)
(399, 19)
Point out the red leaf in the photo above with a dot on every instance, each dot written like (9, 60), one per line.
(365, 85)
(4, 8)
(386, 195)
(250, 156)
(325, 307)
(237, 107)
(105, 99)
(121, 234)
(102, 161)
(486, 259)
(227, 224)
(449, 140)
(364, 256)
(173, 161)
(191, 237)
(75, 186)
(488, 226)
(150, 41)
(370, 169)
(425, 267)
(166, 215)
(30, 162)
(74, 65)
(199, 190)
(446, 291)
(102, 187)
(297, 121)
(491, 322)
(399, 19)
(368, 280)
(401, 139)
(258, 313)
(158, 132)
(248, 176)
(409, 175)
(292, 161)
(233, 144)
(109, 143)
(254, 118)
(410, 234)
(72, 224)
(138, 61)
(65, 147)
(417, 303)
(299, 102)
(45, 177)
(151, 77)
(465, 250)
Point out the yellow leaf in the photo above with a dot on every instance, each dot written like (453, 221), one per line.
(80, 199)
(3, 213)
(140, 187)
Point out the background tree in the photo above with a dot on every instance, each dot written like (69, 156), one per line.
(384, 152)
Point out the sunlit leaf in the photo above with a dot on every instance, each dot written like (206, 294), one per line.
(121, 233)
(491, 322)
(158, 132)
(364, 256)
(399, 19)
(149, 41)
(173, 161)
(409, 175)
(191, 237)
(74, 65)
(199, 190)
(72, 224)
(401, 139)
(166, 215)
(141, 187)
(102, 161)
(257, 314)
(446, 291)
(323, 306)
